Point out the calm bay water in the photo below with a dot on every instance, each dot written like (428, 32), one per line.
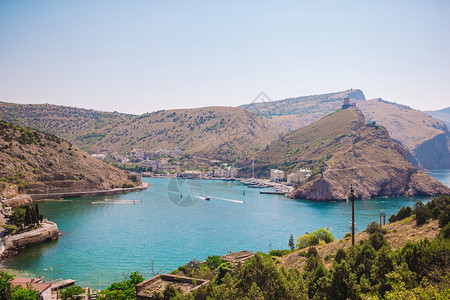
(165, 227)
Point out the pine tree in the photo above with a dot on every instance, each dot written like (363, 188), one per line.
(291, 242)
(36, 211)
(28, 217)
(34, 219)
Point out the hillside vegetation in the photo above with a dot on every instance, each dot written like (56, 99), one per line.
(342, 150)
(215, 132)
(35, 162)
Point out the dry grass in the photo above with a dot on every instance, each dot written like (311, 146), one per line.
(399, 233)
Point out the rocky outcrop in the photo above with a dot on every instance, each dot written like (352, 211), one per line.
(342, 151)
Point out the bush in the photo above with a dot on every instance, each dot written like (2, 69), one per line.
(404, 212)
(306, 241)
(444, 217)
(72, 293)
(11, 229)
(422, 213)
(392, 218)
(435, 213)
(375, 227)
(214, 261)
(279, 252)
(377, 240)
(324, 235)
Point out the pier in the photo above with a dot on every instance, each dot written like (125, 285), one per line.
(273, 192)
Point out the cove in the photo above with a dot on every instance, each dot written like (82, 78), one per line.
(168, 225)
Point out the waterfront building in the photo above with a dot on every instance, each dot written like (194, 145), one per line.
(192, 174)
(299, 176)
(276, 175)
(44, 289)
(227, 172)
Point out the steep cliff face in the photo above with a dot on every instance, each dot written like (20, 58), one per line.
(37, 162)
(342, 150)
(425, 138)
(434, 153)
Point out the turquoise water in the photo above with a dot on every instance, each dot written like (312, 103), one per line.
(168, 225)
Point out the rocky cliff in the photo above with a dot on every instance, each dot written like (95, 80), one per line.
(424, 137)
(342, 150)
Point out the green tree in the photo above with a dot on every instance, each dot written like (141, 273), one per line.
(36, 211)
(307, 240)
(5, 280)
(73, 292)
(422, 213)
(28, 218)
(323, 235)
(291, 242)
(20, 293)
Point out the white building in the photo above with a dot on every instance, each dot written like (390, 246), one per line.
(100, 156)
(276, 175)
(299, 176)
(226, 173)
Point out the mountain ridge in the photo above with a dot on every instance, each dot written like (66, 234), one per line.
(341, 149)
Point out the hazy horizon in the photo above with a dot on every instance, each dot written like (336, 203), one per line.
(143, 56)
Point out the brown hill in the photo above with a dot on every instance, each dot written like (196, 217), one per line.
(424, 137)
(36, 162)
(341, 150)
(214, 132)
(63, 121)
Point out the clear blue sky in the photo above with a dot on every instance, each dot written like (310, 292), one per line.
(142, 56)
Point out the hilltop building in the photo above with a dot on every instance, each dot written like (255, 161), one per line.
(347, 103)
(298, 177)
(276, 175)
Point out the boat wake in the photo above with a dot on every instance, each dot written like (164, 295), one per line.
(223, 199)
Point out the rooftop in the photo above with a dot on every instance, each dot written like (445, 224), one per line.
(157, 284)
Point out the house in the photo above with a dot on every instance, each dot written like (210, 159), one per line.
(192, 174)
(276, 175)
(44, 289)
(150, 288)
(240, 256)
(298, 177)
(227, 172)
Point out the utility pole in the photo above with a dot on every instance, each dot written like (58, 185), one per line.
(353, 214)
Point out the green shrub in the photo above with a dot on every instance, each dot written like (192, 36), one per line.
(422, 212)
(279, 252)
(307, 240)
(404, 212)
(73, 292)
(444, 217)
(375, 227)
(214, 261)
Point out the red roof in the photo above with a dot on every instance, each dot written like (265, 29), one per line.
(35, 283)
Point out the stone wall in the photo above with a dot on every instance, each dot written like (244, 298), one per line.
(48, 231)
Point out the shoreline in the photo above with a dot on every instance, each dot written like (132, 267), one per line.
(50, 196)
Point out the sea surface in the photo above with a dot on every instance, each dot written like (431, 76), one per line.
(170, 224)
